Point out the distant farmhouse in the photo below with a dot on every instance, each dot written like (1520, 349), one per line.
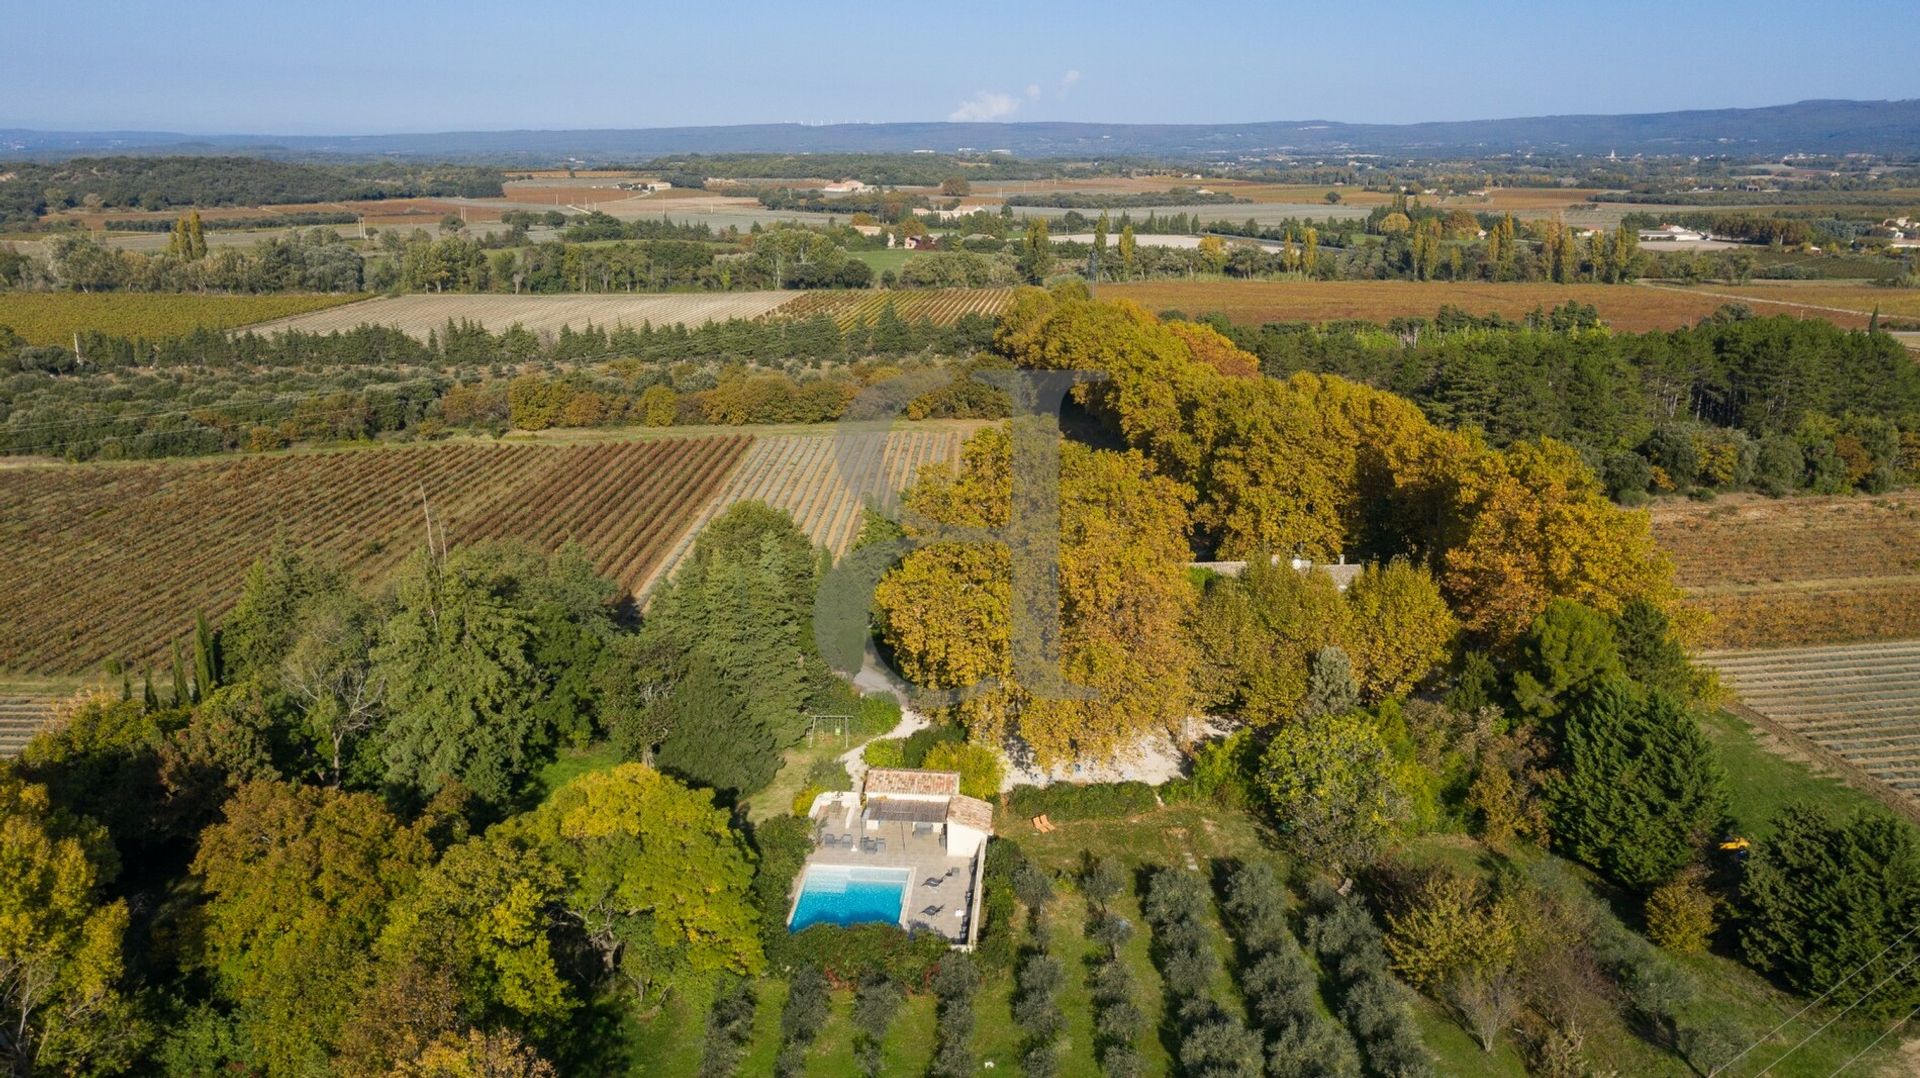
(1670, 234)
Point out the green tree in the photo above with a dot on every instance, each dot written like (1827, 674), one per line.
(260, 629)
(744, 600)
(298, 883)
(1829, 904)
(1649, 654)
(1036, 251)
(482, 914)
(1333, 787)
(1640, 790)
(60, 941)
(483, 659)
(713, 738)
(1568, 652)
(656, 878)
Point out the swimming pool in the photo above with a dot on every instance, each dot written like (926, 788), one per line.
(850, 895)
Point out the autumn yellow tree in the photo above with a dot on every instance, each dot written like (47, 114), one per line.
(1398, 628)
(60, 941)
(946, 610)
(1537, 526)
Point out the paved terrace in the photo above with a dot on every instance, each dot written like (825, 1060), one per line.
(901, 844)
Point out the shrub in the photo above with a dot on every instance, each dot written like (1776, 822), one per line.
(1373, 1005)
(885, 752)
(852, 954)
(1279, 983)
(1065, 801)
(954, 983)
(874, 1006)
(801, 1020)
(1816, 863)
(980, 767)
(1680, 914)
(1211, 1041)
(729, 1029)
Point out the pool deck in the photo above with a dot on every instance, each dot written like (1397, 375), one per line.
(924, 854)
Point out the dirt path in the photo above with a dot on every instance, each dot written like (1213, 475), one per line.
(1734, 297)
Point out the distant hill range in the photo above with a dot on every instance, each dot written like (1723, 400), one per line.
(1823, 127)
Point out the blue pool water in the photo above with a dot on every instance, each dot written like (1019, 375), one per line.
(848, 895)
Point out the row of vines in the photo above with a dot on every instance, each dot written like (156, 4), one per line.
(113, 561)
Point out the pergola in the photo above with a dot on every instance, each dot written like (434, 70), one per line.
(907, 814)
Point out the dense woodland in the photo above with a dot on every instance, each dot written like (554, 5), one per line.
(333, 837)
(32, 189)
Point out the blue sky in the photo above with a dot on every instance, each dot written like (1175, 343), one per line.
(349, 67)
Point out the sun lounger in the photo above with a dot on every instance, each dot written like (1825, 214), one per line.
(931, 911)
(933, 881)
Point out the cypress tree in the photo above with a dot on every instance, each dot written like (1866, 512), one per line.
(181, 696)
(715, 741)
(206, 657)
(148, 698)
(1640, 790)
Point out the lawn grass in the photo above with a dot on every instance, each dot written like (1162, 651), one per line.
(1760, 782)
(888, 258)
(572, 763)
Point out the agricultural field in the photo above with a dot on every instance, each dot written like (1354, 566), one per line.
(941, 306)
(1797, 571)
(1861, 704)
(1254, 302)
(54, 317)
(422, 314)
(826, 478)
(113, 561)
(1838, 299)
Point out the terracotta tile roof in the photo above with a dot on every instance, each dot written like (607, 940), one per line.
(970, 812)
(901, 780)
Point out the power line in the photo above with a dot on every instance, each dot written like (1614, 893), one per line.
(1795, 1016)
(1837, 1017)
(1884, 1034)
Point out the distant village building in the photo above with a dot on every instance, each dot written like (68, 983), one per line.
(1670, 234)
(847, 187)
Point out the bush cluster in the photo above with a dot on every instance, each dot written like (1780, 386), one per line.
(1376, 1007)
(955, 982)
(801, 1020)
(874, 1006)
(1281, 986)
(1212, 1041)
(1065, 801)
(1116, 1016)
(729, 1028)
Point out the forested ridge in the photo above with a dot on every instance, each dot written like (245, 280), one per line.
(33, 189)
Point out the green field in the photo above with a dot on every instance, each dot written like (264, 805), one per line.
(891, 258)
(54, 317)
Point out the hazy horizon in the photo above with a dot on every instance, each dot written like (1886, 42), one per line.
(224, 68)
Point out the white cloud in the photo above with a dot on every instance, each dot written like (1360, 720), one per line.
(1033, 91)
(985, 106)
(1069, 80)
